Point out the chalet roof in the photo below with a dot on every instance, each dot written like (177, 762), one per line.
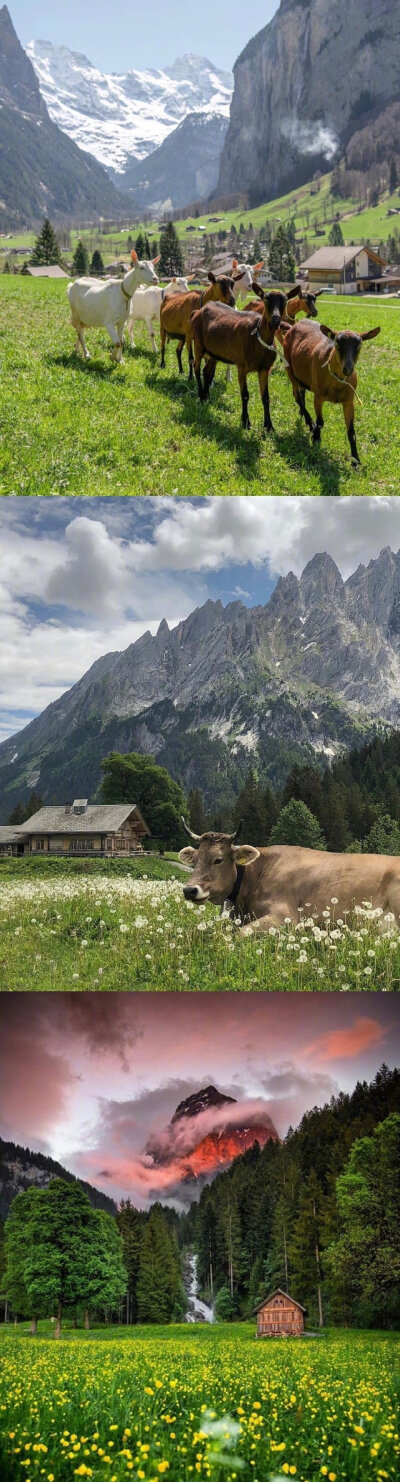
(97, 818)
(278, 1293)
(46, 272)
(10, 833)
(335, 258)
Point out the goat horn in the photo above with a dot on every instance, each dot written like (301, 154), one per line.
(189, 832)
(237, 832)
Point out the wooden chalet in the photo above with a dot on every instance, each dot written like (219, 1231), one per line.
(78, 828)
(279, 1314)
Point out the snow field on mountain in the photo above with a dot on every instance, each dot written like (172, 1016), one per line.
(126, 933)
(116, 116)
(96, 428)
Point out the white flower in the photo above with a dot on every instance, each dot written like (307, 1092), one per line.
(334, 900)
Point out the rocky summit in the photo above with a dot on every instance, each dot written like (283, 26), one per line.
(314, 671)
(310, 80)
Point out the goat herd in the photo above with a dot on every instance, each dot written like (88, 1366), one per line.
(315, 357)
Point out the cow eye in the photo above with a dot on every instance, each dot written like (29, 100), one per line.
(218, 861)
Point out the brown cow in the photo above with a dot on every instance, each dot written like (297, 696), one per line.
(266, 886)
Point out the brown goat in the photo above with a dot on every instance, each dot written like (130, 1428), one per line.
(322, 361)
(240, 339)
(176, 316)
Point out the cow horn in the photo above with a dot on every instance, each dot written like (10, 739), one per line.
(237, 832)
(189, 831)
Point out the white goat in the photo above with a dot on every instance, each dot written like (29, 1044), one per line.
(106, 305)
(146, 305)
(242, 286)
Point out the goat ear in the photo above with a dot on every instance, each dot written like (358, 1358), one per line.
(134, 255)
(211, 277)
(315, 295)
(370, 334)
(258, 266)
(234, 263)
(155, 260)
(294, 291)
(330, 333)
(258, 290)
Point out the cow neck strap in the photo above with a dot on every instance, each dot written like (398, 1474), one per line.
(232, 898)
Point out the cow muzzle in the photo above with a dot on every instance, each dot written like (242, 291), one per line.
(195, 893)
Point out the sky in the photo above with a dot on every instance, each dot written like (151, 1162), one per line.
(135, 37)
(81, 578)
(90, 1079)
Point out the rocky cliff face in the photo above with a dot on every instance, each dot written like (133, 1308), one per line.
(42, 172)
(308, 674)
(320, 70)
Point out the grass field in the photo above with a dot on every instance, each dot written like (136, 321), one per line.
(76, 932)
(80, 429)
(146, 1403)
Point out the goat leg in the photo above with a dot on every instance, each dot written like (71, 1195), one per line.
(348, 409)
(245, 397)
(263, 379)
(179, 349)
(162, 343)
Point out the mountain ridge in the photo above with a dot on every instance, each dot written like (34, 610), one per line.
(313, 671)
(20, 1168)
(119, 117)
(42, 171)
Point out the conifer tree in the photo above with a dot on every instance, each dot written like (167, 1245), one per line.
(130, 1226)
(171, 259)
(80, 261)
(97, 264)
(336, 238)
(46, 250)
(281, 257)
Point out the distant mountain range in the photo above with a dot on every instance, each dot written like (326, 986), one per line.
(313, 672)
(42, 171)
(20, 1169)
(117, 116)
(184, 168)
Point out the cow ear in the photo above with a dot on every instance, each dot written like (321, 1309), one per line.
(245, 854)
(134, 255)
(187, 856)
(370, 334)
(330, 333)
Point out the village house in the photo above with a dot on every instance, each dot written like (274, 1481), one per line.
(78, 828)
(346, 269)
(279, 1314)
(49, 271)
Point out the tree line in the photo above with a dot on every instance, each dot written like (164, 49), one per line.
(317, 1215)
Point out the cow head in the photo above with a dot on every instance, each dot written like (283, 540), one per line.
(346, 348)
(215, 860)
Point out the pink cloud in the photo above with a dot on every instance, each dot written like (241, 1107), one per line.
(344, 1044)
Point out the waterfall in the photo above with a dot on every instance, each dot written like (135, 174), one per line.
(197, 1311)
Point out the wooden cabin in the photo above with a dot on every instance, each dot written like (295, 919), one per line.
(279, 1314)
(78, 828)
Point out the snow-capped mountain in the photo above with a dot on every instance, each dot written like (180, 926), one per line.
(116, 116)
(206, 1132)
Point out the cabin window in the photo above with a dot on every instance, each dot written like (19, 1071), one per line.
(80, 845)
(40, 844)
